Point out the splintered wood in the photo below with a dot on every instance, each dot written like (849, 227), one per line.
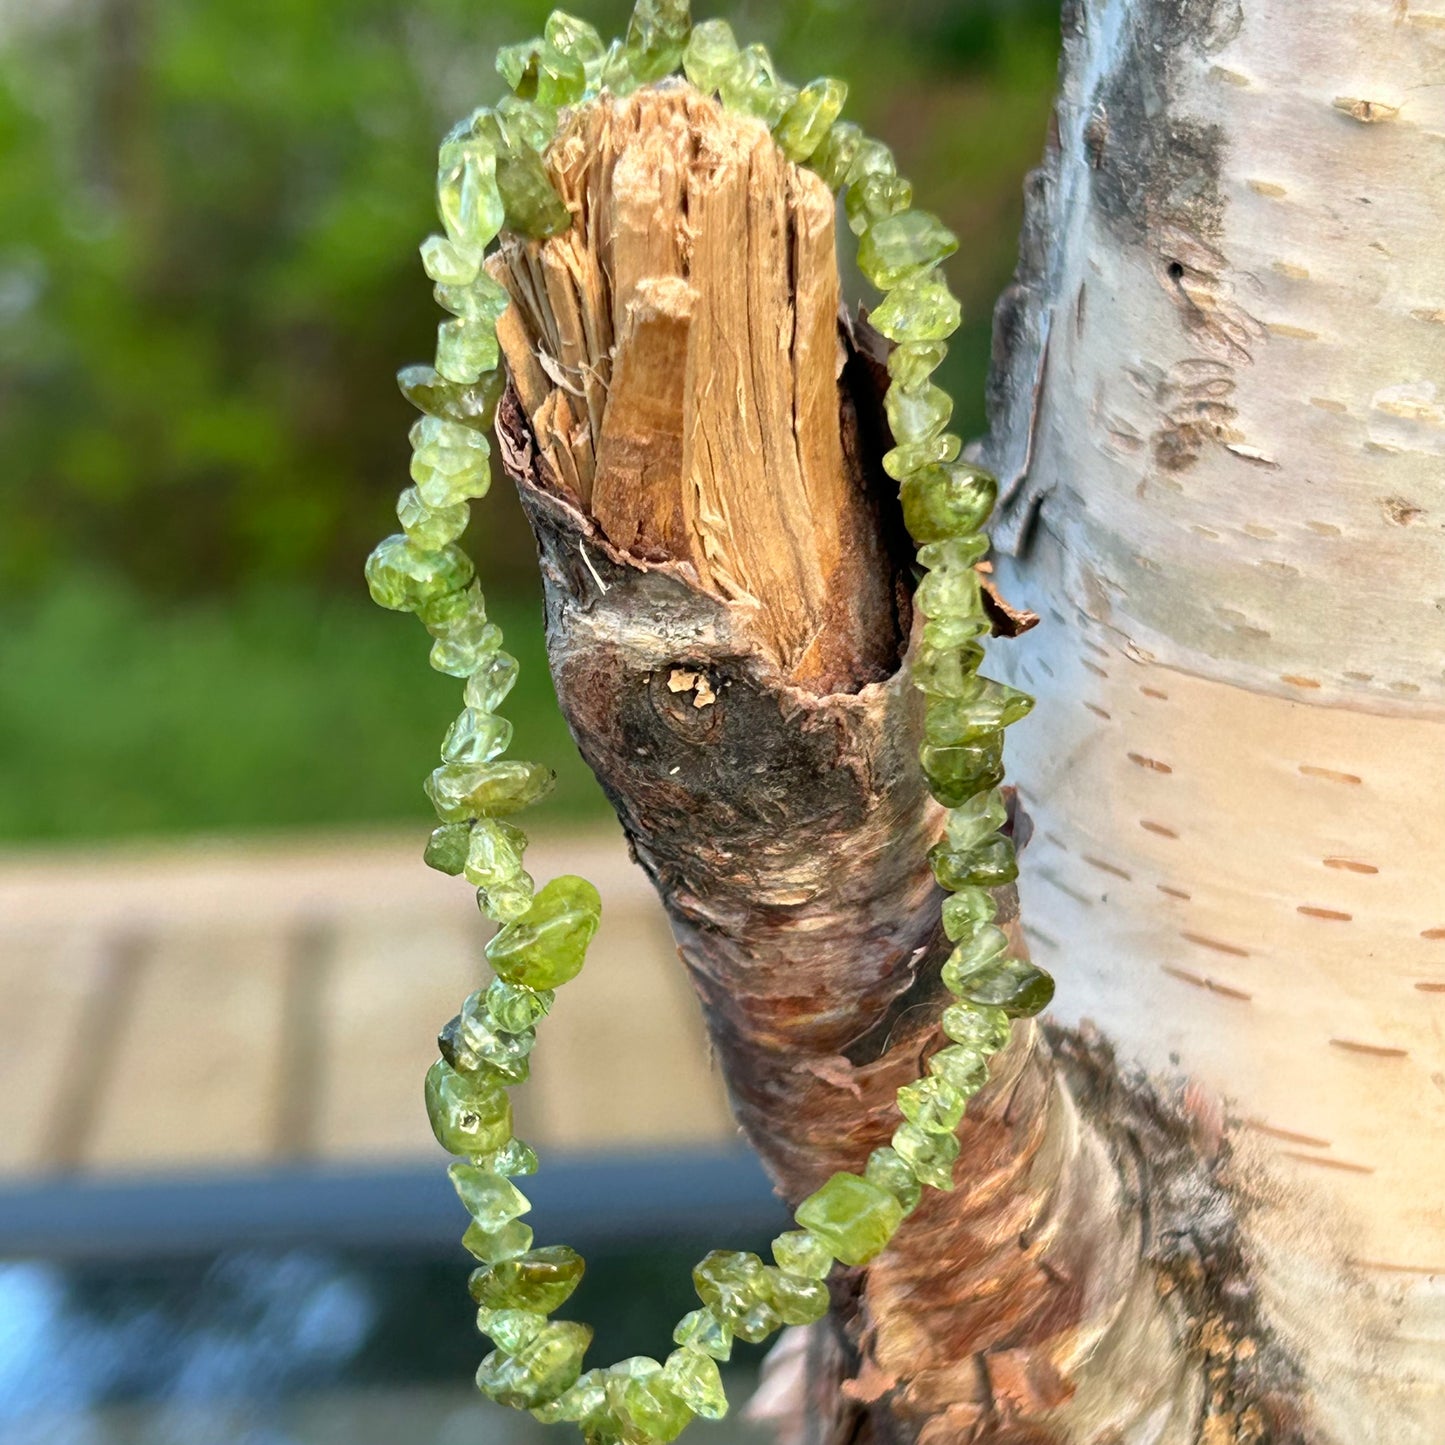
(678, 354)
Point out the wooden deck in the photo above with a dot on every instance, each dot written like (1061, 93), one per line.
(217, 1006)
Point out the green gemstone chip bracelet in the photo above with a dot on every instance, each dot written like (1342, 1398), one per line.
(491, 176)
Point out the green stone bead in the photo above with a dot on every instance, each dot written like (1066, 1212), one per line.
(459, 651)
(450, 462)
(483, 300)
(834, 157)
(561, 78)
(455, 1050)
(990, 865)
(803, 1254)
(976, 709)
(533, 207)
(488, 686)
(957, 632)
(515, 1009)
(615, 72)
(644, 1402)
(657, 35)
(911, 363)
(874, 199)
(703, 1330)
(513, 1158)
(507, 900)
(950, 592)
(1019, 988)
(469, 1114)
(404, 577)
(446, 262)
(965, 911)
(902, 461)
(586, 1398)
(923, 309)
(445, 614)
(511, 1330)
(470, 404)
(547, 945)
(963, 1068)
(802, 127)
(754, 87)
(975, 820)
(517, 65)
(465, 349)
(757, 1322)
(954, 554)
(476, 737)
(956, 774)
(917, 414)
(493, 1246)
(430, 528)
(983, 1029)
(982, 947)
(485, 790)
(889, 1170)
(573, 37)
(468, 200)
(898, 247)
(490, 1199)
(696, 1381)
(517, 126)
(539, 1372)
(930, 1156)
(945, 669)
(446, 849)
(735, 1284)
(475, 1038)
(943, 502)
(711, 55)
(933, 1104)
(541, 1280)
(872, 158)
(854, 1217)
(798, 1301)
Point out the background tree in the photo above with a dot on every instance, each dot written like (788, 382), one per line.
(1211, 1214)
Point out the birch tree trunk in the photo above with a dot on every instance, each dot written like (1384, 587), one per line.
(1204, 1206)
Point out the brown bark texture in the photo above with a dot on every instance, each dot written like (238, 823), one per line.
(695, 435)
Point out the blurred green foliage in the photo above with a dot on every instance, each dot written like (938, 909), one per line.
(209, 215)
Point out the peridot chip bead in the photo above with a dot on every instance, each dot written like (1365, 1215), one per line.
(458, 650)
(990, 865)
(540, 1371)
(483, 300)
(507, 900)
(561, 77)
(492, 1246)
(703, 1330)
(933, 1104)
(489, 1198)
(930, 1156)
(443, 260)
(803, 1254)
(510, 1330)
(735, 1284)
(834, 157)
(901, 246)
(871, 158)
(922, 309)
(911, 363)
(517, 65)
(942, 502)
(644, 1402)
(802, 127)
(466, 348)
(963, 913)
(980, 948)
(450, 463)
(950, 592)
(494, 852)
(584, 1399)
(468, 404)
(711, 55)
(976, 1027)
(446, 848)
(546, 946)
(798, 1301)
(754, 87)
(696, 1381)
(956, 774)
(917, 414)
(515, 1009)
(472, 790)
(980, 706)
(469, 1113)
(403, 577)
(963, 1067)
(430, 527)
(515, 1157)
(1019, 988)
(540, 1280)
(657, 35)
(480, 1046)
(854, 1217)
(573, 37)
(488, 686)
(476, 737)
(888, 1169)
(875, 198)
(974, 821)
(468, 200)
(902, 460)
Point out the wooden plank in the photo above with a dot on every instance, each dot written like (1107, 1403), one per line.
(196, 1075)
(47, 977)
(623, 1062)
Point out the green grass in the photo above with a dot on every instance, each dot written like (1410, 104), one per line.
(276, 709)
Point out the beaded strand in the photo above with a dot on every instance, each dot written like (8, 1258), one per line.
(491, 176)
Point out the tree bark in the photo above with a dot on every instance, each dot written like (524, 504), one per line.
(695, 441)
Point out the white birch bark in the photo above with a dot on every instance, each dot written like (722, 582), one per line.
(1219, 411)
